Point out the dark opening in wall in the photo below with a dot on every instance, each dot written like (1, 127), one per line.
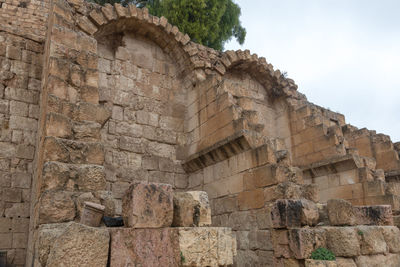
(23, 4)
(1, 4)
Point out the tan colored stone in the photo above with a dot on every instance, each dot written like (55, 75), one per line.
(340, 212)
(144, 247)
(319, 263)
(191, 209)
(56, 207)
(72, 244)
(389, 260)
(148, 205)
(345, 262)
(343, 241)
(207, 246)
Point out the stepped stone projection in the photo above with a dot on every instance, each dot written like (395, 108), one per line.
(95, 100)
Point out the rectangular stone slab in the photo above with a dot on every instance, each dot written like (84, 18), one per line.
(144, 247)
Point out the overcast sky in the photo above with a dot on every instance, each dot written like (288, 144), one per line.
(343, 54)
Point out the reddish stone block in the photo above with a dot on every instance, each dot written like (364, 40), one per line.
(144, 247)
(148, 205)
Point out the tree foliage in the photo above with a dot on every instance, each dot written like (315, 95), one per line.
(208, 22)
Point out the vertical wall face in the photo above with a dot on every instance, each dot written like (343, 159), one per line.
(22, 34)
(139, 83)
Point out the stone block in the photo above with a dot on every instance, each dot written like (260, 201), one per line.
(144, 247)
(303, 241)
(340, 212)
(249, 200)
(388, 260)
(371, 240)
(56, 207)
(345, 262)
(374, 215)
(392, 238)
(319, 263)
(191, 209)
(148, 205)
(343, 241)
(72, 244)
(207, 246)
(294, 213)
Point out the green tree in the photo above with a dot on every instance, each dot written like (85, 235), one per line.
(208, 22)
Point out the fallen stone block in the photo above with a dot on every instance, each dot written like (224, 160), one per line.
(148, 205)
(191, 209)
(71, 244)
(206, 246)
(144, 247)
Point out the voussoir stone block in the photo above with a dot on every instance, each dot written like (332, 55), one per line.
(206, 246)
(191, 209)
(144, 247)
(148, 205)
(72, 244)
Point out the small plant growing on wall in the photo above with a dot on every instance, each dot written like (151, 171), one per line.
(323, 254)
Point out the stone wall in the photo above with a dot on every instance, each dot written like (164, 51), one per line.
(22, 34)
(139, 82)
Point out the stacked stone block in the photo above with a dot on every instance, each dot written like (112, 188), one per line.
(21, 65)
(357, 236)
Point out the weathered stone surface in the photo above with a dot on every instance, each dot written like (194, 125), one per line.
(371, 240)
(72, 244)
(144, 247)
(207, 246)
(302, 242)
(340, 212)
(345, 262)
(319, 263)
(343, 241)
(374, 215)
(191, 209)
(392, 238)
(148, 205)
(294, 213)
(56, 207)
(389, 260)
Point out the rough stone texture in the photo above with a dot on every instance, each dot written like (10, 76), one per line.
(390, 260)
(191, 209)
(294, 213)
(148, 205)
(318, 263)
(343, 242)
(340, 212)
(72, 244)
(207, 246)
(144, 247)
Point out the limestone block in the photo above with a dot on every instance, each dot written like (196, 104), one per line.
(148, 205)
(371, 240)
(303, 241)
(392, 238)
(374, 215)
(318, 263)
(144, 247)
(72, 244)
(343, 241)
(191, 209)
(56, 207)
(340, 212)
(207, 246)
(294, 213)
(345, 262)
(388, 260)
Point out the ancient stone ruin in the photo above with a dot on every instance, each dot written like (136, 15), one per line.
(196, 157)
